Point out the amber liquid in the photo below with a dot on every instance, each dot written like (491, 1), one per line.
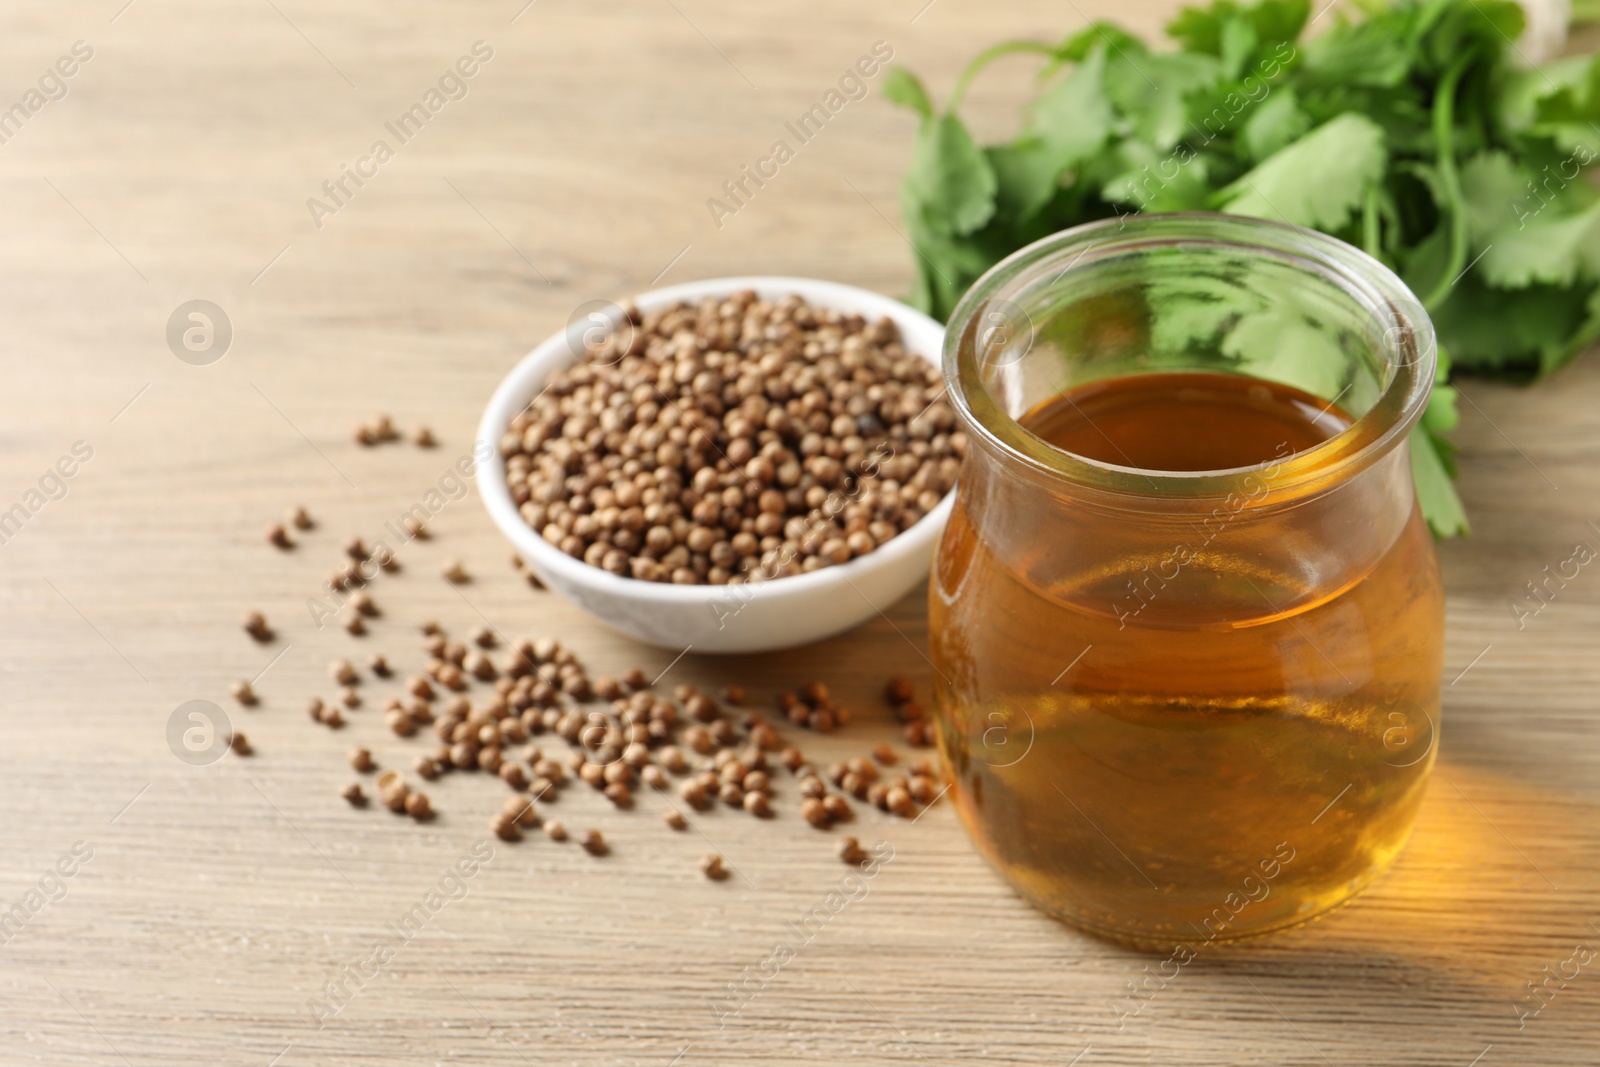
(1153, 761)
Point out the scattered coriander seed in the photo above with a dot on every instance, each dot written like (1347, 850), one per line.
(314, 708)
(418, 807)
(353, 795)
(379, 665)
(593, 842)
(454, 572)
(426, 767)
(713, 868)
(361, 759)
(240, 744)
(424, 437)
(635, 678)
(733, 694)
(674, 818)
(505, 827)
(300, 518)
(513, 775)
(837, 807)
(419, 687)
(814, 812)
(619, 794)
(558, 832)
(355, 625)
(758, 805)
(483, 637)
(898, 801)
(364, 604)
(653, 776)
(356, 549)
(243, 692)
(899, 690)
(851, 852)
(332, 718)
(884, 755)
(255, 624)
(416, 528)
(349, 697)
(342, 671)
(521, 810)
(279, 536)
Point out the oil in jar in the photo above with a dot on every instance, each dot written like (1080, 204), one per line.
(1213, 751)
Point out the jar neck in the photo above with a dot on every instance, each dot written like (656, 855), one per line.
(1359, 317)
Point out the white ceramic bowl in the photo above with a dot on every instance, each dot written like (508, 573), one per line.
(709, 618)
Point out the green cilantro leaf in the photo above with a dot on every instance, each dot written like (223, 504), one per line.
(1316, 181)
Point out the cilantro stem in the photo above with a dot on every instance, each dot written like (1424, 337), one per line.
(1444, 108)
(1371, 235)
(989, 55)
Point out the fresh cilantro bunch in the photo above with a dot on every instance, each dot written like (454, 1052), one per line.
(1413, 133)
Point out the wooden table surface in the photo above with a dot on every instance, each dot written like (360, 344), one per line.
(208, 905)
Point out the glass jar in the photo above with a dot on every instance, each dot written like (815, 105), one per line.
(1187, 704)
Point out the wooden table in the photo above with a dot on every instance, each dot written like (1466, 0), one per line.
(220, 899)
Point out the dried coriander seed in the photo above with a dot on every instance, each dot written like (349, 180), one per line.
(899, 690)
(712, 867)
(454, 572)
(674, 818)
(555, 830)
(279, 536)
(300, 518)
(255, 624)
(379, 665)
(815, 812)
(240, 744)
(593, 842)
(243, 692)
(353, 795)
(851, 852)
(343, 672)
(898, 801)
(424, 437)
(776, 438)
(361, 759)
(505, 827)
(418, 806)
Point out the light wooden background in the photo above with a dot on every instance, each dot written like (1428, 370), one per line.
(220, 898)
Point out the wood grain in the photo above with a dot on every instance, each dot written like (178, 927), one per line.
(220, 899)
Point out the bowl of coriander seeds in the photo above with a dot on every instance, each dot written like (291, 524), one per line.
(732, 465)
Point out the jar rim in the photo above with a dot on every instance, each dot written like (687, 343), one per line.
(1367, 439)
